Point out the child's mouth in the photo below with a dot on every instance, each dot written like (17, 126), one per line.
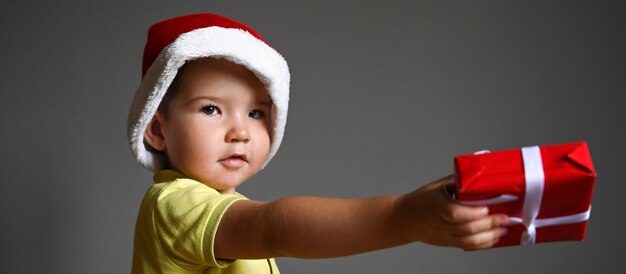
(234, 161)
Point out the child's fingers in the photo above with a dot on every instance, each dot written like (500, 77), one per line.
(456, 213)
(482, 240)
(482, 224)
(453, 211)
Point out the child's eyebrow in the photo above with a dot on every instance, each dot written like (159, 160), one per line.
(217, 99)
(265, 103)
(201, 98)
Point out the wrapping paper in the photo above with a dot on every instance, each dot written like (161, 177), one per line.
(545, 190)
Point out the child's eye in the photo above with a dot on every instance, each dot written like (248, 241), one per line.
(256, 114)
(211, 110)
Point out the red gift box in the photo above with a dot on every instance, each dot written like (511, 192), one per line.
(545, 190)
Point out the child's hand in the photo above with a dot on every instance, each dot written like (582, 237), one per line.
(438, 220)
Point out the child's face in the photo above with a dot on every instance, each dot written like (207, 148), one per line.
(216, 129)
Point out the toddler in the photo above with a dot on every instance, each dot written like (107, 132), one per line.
(209, 113)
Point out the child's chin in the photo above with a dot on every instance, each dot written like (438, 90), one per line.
(225, 185)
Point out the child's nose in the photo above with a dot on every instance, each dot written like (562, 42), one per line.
(238, 130)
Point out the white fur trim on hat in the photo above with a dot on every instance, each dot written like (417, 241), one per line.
(235, 45)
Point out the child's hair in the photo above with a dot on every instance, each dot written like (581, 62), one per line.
(164, 107)
(172, 91)
(174, 42)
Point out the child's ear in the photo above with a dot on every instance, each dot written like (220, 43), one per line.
(153, 134)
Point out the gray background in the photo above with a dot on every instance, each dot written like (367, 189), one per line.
(384, 95)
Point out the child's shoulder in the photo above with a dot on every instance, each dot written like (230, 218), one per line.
(181, 196)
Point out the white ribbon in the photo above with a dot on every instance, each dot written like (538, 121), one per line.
(535, 180)
(533, 171)
(563, 220)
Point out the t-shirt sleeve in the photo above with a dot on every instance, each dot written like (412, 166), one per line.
(186, 219)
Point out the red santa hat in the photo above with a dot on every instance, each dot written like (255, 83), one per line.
(173, 42)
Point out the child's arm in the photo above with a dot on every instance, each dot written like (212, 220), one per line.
(313, 227)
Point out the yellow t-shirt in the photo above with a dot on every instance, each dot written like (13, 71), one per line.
(176, 228)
